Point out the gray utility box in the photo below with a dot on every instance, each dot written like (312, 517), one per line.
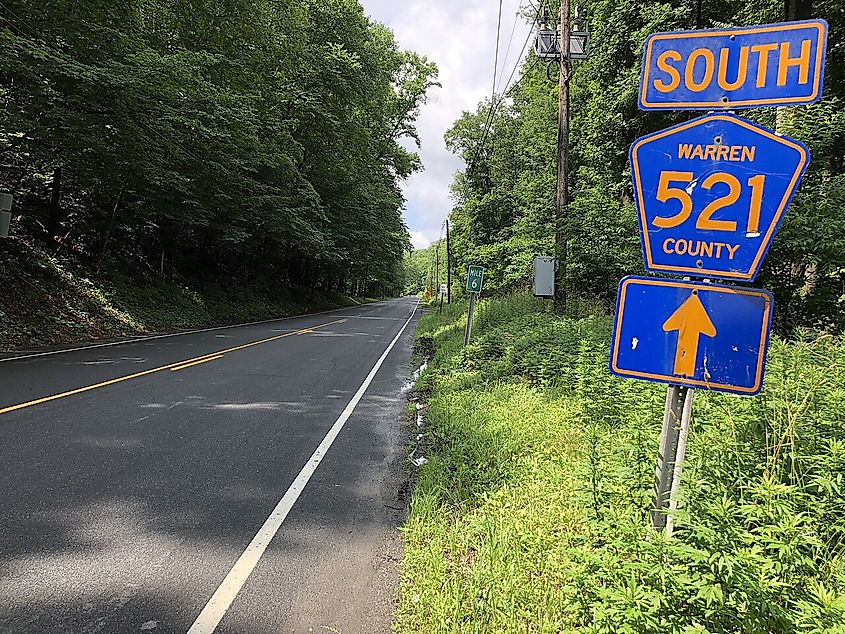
(544, 276)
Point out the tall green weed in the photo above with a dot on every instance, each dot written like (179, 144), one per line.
(532, 513)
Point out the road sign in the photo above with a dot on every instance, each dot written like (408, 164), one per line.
(475, 279)
(693, 334)
(766, 65)
(711, 194)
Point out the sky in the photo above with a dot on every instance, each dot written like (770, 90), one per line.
(460, 37)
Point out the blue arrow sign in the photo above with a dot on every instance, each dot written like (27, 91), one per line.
(766, 65)
(690, 333)
(711, 194)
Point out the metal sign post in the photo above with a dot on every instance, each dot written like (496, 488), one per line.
(710, 195)
(680, 454)
(675, 417)
(470, 317)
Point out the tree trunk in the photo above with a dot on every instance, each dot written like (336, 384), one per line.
(54, 220)
(797, 10)
(111, 225)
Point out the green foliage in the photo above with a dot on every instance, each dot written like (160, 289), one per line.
(532, 513)
(252, 138)
(419, 270)
(49, 301)
(422, 268)
(505, 199)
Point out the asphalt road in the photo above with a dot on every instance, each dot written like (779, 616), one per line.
(135, 479)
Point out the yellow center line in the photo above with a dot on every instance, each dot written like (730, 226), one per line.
(176, 365)
(190, 365)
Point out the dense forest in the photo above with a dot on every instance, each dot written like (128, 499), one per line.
(505, 199)
(426, 269)
(238, 139)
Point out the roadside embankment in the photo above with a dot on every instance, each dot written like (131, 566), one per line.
(531, 513)
(48, 301)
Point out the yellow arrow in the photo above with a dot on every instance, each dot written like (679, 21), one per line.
(691, 321)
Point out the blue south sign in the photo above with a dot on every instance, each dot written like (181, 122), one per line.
(690, 333)
(711, 194)
(766, 65)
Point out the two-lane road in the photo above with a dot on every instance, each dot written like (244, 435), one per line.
(240, 479)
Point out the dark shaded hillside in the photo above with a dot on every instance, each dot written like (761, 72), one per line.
(48, 301)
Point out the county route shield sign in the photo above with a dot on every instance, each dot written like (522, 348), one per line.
(711, 194)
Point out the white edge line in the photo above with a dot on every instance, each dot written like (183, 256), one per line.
(222, 599)
(180, 333)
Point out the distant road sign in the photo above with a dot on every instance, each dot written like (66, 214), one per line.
(767, 65)
(694, 334)
(711, 194)
(475, 279)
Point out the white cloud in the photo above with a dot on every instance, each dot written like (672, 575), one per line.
(460, 37)
(419, 240)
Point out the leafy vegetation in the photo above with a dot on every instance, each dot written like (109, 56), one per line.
(532, 512)
(504, 211)
(48, 301)
(421, 268)
(248, 140)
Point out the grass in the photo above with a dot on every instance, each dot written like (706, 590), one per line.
(48, 301)
(532, 512)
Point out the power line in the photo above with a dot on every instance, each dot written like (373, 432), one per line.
(498, 37)
(524, 75)
(495, 71)
(510, 41)
(494, 104)
(14, 27)
(27, 31)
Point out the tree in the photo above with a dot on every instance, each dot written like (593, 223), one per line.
(245, 138)
(504, 199)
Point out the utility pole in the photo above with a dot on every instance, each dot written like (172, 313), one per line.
(562, 197)
(437, 266)
(448, 265)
